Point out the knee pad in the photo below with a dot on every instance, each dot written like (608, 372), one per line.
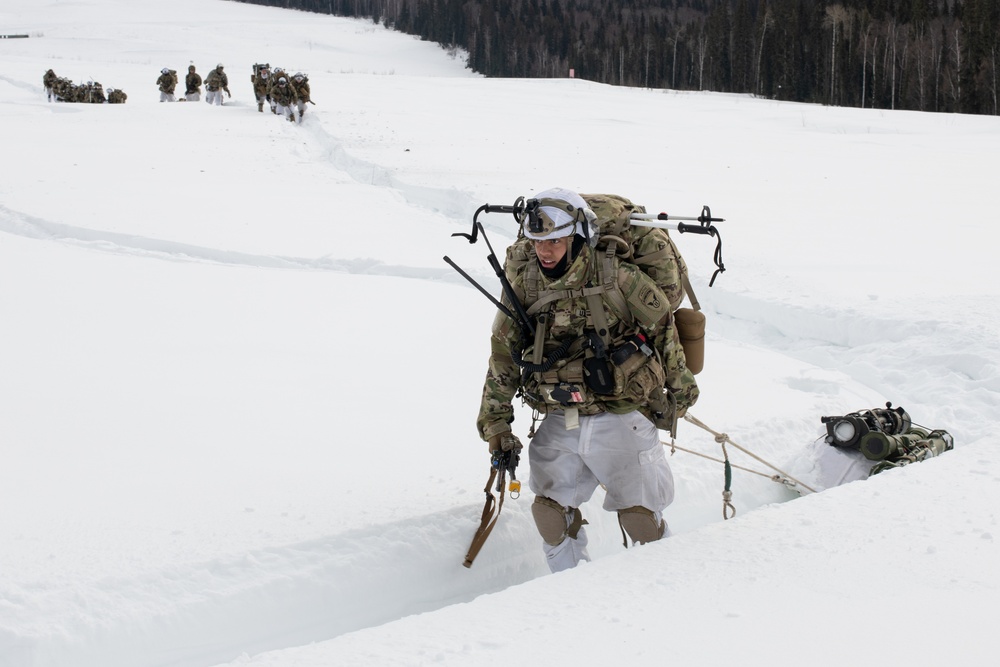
(555, 522)
(640, 524)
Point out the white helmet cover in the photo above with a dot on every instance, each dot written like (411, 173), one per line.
(561, 213)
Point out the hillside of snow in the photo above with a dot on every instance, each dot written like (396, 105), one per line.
(238, 382)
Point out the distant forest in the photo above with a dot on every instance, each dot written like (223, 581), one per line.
(926, 55)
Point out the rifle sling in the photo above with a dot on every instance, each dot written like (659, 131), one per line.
(489, 519)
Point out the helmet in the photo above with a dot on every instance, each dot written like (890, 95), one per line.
(164, 71)
(190, 68)
(299, 76)
(219, 66)
(282, 81)
(558, 212)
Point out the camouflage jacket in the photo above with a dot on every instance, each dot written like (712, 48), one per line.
(563, 313)
(283, 95)
(216, 80)
(261, 84)
(301, 90)
(167, 82)
(192, 83)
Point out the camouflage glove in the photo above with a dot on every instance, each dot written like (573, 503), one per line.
(506, 442)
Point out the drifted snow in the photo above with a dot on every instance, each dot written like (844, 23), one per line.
(238, 383)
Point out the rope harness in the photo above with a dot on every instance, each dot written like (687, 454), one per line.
(728, 509)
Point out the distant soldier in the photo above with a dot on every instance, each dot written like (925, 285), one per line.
(192, 85)
(215, 83)
(260, 79)
(283, 96)
(276, 74)
(95, 92)
(63, 90)
(301, 84)
(49, 81)
(167, 83)
(116, 96)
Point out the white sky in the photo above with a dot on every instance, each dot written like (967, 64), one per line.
(238, 384)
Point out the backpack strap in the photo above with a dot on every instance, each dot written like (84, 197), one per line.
(531, 282)
(607, 275)
(690, 292)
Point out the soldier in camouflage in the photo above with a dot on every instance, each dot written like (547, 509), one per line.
(192, 85)
(260, 80)
(283, 97)
(302, 93)
(272, 83)
(116, 96)
(216, 82)
(591, 377)
(167, 82)
(49, 81)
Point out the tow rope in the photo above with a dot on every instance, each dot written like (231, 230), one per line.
(728, 509)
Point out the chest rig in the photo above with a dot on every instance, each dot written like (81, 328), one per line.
(586, 353)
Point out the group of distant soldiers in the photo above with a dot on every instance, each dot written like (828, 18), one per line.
(216, 83)
(286, 94)
(61, 89)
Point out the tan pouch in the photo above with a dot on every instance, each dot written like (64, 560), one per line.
(691, 331)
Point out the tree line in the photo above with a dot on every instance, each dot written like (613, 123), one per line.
(925, 55)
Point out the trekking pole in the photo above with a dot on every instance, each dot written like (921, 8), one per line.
(704, 226)
(519, 314)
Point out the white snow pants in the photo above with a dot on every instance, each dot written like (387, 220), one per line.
(286, 112)
(214, 97)
(622, 452)
(166, 97)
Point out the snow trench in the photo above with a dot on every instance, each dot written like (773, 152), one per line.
(210, 612)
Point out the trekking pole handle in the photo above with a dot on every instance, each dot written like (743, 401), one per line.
(675, 226)
(704, 226)
(517, 209)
